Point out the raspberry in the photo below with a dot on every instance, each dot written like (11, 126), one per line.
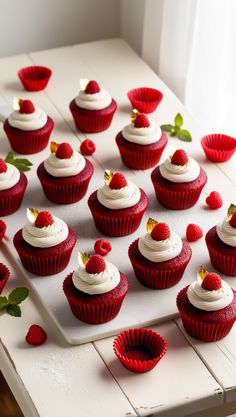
(87, 147)
(214, 200)
(102, 247)
(232, 221)
(160, 232)
(26, 107)
(118, 181)
(95, 264)
(92, 87)
(211, 282)
(3, 166)
(193, 232)
(141, 121)
(179, 157)
(64, 151)
(43, 219)
(3, 228)
(36, 335)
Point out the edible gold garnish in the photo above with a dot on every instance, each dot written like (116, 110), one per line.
(32, 214)
(151, 223)
(53, 147)
(134, 115)
(202, 272)
(108, 176)
(231, 210)
(83, 83)
(16, 103)
(83, 258)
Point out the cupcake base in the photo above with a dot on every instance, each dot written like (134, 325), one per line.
(159, 275)
(95, 309)
(4, 275)
(223, 257)
(92, 121)
(11, 199)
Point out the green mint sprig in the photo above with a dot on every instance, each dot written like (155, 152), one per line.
(11, 303)
(22, 164)
(175, 130)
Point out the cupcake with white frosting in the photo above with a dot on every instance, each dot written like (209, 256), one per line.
(178, 181)
(141, 142)
(93, 108)
(95, 290)
(207, 307)
(65, 174)
(28, 128)
(118, 206)
(13, 184)
(45, 243)
(221, 243)
(159, 257)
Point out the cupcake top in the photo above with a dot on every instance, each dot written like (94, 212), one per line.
(226, 230)
(9, 175)
(44, 230)
(141, 131)
(117, 192)
(159, 244)
(95, 275)
(209, 292)
(92, 96)
(64, 161)
(26, 116)
(180, 167)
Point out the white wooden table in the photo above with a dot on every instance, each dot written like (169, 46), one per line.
(57, 379)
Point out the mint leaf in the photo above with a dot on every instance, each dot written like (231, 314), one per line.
(9, 158)
(14, 310)
(184, 135)
(178, 120)
(22, 164)
(168, 128)
(23, 161)
(3, 302)
(18, 295)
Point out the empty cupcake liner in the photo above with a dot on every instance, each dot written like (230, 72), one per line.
(4, 275)
(218, 147)
(10, 200)
(145, 99)
(34, 78)
(92, 121)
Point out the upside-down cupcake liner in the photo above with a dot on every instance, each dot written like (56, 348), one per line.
(11, 199)
(4, 275)
(92, 121)
(218, 147)
(145, 99)
(222, 256)
(34, 78)
(139, 350)
(29, 142)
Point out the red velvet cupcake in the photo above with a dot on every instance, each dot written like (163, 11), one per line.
(65, 175)
(178, 182)
(141, 143)
(207, 307)
(4, 275)
(117, 207)
(96, 290)
(159, 258)
(93, 109)
(28, 128)
(13, 184)
(221, 244)
(45, 243)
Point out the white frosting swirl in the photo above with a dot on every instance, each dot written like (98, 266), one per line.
(9, 178)
(226, 233)
(45, 237)
(118, 199)
(65, 167)
(162, 250)
(100, 283)
(27, 122)
(209, 300)
(142, 135)
(180, 173)
(94, 101)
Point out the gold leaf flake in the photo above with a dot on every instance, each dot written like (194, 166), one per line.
(16, 103)
(53, 147)
(134, 115)
(108, 176)
(202, 272)
(151, 223)
(83, 83)
(83, 258)
(231, 210)
(32, 214)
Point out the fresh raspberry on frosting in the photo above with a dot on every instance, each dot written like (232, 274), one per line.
(102, 247)
(95, 264)
(44, 219)
(3, 166)
(92, 87)
(36, 335)
(160, 231)
(26, 107)
(3, 228)
(87, 147)
(118, 181)
(193, 232)
(211, 282)
(214, 200)
(232, 220)
(180, 157)
(64, 151)
(141, 121)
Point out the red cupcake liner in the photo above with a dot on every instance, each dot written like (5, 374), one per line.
(3, 228)
(140, 157)
(4, 275)
(92, 121)
(29, 142)
(34, 78)
(65, 190)
(225, 264)
(139, 350)
(11, 199)
(46, 261)
(145, 99)
(218, 147)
